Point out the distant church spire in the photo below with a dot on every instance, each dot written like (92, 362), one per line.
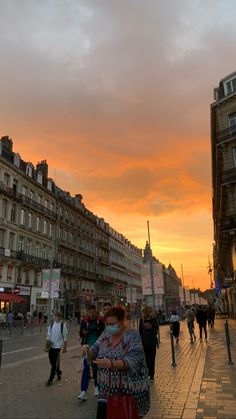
(147, 253)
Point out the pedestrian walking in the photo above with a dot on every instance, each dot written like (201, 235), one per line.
(211, 314)
(106, 308)
(148, 328)
(175, 325)
(56, 340)
(10, 322)
(190, 317)
(122, 370)
(201, 317)
(90, 329)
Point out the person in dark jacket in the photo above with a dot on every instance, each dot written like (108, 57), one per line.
(175, 325)
(148, 328)
(201, 317)
(211, 313)
(90, 329)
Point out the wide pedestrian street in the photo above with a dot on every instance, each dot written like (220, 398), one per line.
(201, 385)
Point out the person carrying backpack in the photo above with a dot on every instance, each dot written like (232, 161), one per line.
(56, 340)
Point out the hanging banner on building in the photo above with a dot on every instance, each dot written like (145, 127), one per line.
(131, 295)
(187, 295)
(54, 277)
(157, 279)
(181, 295)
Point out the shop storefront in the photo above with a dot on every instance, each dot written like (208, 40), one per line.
(9, 301)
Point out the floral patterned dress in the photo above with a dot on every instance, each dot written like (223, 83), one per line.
(133, 381)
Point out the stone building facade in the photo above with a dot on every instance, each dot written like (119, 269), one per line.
(223, 148)
(44, 227)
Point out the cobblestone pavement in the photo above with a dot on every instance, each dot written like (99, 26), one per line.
(185, 391)
(217, 398)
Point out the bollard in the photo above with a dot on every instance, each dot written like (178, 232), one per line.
(230, 362)
(1, 344)
(158, 332)
(172, 349)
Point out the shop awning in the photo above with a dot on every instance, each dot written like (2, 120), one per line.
(5, 296)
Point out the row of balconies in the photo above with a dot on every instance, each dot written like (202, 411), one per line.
(45, 263)
(226, 134)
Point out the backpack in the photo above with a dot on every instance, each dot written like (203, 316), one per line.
(62, 325)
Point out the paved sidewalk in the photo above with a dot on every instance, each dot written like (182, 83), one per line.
(177, 392)
(217, 398)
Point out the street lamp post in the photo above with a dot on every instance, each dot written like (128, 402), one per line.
(151, 269)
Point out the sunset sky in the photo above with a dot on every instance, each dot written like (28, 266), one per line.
(116, 95)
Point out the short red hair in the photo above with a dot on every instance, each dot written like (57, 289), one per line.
(118, 312)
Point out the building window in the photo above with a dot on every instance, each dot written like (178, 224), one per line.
(22, 217)
(37, 250)
(39, 199)
(18, 275)
(27, 277)
(2, 235)
(36, 279)
(60, 233)
(29, 170)
(38, 224)
(231, 86)
(13, 213)
(23, 190)
(4, 208)
(21, 244)
(50, 253)
(232, 123)
(6, 179)
(31, 195)
(46, 203)
(61, 212)
(30, 220)
(50, 230)
(28, 249)
(234, 155)
(44, 253)
(11, 241)
(45, 227)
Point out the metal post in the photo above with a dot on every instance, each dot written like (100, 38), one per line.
(172, 349)
(151, 268)
(1, 344)
(230, 362)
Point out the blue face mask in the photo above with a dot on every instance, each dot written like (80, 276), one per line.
(113, 329)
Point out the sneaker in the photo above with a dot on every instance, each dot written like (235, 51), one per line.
(82, 395)
(96, 392)
(195, 337)
(59, 376)
(49, 383)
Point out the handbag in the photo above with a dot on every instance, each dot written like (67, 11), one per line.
(122, 406)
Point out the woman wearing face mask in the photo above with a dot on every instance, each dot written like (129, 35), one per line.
(120, 358)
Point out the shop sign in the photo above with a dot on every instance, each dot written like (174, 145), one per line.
(24, 290)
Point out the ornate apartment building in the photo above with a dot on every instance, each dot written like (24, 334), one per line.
(223, 147)
(42, 227)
